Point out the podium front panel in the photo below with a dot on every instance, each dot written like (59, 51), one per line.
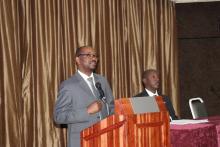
(126, 129)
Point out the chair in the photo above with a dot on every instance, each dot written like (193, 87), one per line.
(197, 107)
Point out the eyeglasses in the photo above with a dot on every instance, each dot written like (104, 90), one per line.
(89, 55)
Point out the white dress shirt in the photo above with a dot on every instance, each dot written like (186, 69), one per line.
(85, 77)
(151, 93)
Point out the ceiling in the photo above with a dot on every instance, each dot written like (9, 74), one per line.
(193, 1)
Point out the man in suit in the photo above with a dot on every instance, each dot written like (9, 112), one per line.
(150, 79)
(79, 104)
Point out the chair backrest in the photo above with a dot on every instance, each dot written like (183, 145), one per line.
(197, 107)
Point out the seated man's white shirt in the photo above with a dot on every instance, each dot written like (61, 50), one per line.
(151, 93)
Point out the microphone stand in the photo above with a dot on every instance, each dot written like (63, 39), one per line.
(106, 104)
(102, 96)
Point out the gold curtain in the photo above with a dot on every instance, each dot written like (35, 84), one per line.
(38, 41)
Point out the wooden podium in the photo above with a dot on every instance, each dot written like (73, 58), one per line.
(126, 129)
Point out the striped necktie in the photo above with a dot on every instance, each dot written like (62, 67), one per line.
(92, 87)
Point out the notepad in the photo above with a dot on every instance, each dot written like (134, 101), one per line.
(188, 121)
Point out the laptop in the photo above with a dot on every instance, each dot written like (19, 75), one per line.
(144, 104)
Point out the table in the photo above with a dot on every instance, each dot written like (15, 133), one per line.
(196, 135)
(216, 121)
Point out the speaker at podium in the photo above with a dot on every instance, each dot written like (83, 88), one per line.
(137, 122)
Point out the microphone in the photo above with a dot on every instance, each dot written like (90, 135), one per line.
(101, 92)
(102, 96)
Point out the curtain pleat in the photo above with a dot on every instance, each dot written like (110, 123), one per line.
(37, 46)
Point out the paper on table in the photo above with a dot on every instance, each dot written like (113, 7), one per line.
(188, 121)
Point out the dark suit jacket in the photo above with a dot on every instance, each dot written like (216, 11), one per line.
(167, 101)
(71, 106)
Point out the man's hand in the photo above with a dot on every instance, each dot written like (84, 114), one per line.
(94, 107)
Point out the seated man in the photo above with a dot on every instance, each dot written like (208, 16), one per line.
(150, 81)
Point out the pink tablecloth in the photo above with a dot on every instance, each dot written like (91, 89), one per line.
(216, 121)
(194, 135)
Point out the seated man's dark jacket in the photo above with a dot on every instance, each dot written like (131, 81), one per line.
(165, 99)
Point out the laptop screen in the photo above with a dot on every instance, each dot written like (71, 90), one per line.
(144, 104)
